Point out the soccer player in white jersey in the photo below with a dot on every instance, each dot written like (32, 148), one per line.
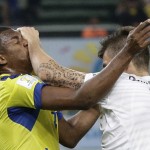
(125, 121)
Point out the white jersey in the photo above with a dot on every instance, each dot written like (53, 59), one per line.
(125, 121)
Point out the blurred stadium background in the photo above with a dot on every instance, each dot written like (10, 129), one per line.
(70, 32)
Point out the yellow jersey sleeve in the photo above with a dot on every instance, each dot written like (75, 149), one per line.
(26, 91)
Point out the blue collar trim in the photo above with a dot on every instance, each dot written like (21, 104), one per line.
(11, 77)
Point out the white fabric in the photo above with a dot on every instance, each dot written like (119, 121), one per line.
(125, 121)
(89, 76)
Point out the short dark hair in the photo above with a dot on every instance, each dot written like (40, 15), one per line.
(2, 29)
(116, 41)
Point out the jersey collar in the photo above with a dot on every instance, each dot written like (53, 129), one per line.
(5, 76)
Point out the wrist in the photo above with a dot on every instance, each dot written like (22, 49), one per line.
(129, 51)
(34, 47)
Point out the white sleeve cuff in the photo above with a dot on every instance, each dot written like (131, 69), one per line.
(89, 76)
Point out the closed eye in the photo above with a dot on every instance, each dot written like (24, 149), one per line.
(15, 39)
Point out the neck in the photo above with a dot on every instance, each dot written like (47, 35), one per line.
(13, 71)
(139, 71)
(140, 74)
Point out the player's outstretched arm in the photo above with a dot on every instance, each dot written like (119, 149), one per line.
(46, 67)
(96, 88)
(77, 126)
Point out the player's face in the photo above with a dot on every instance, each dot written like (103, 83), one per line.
(106, 59)
(16, 50)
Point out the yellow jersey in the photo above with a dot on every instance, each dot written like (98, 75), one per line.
(23, 124)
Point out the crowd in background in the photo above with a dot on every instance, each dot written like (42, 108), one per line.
(131, 12)
(127, 12)
(26, 13)
(19, 12)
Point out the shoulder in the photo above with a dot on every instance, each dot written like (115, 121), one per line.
(27, 80)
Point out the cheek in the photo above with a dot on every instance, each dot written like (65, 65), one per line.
(21, 51)
(21, 54)
(24, 55)
(17, 52)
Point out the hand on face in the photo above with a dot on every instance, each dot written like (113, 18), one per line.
(139, 38)
(32, 36)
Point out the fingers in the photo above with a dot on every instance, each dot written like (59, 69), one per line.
(145, 38)
(31, 35)
(140, 36)
(28, 32)
(141, 29)
(145, 33)
(142, 25)
(26, 28)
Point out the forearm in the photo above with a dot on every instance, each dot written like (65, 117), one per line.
(54, 74)
(45, 67)
(78, 126)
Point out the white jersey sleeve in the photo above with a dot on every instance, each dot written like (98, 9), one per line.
(88, 76)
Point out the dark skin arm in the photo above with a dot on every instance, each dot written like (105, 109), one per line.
(77, 126)
(90, 92)
(83, 98)
(72, 130)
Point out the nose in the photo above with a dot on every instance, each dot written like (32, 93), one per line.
(25, 43)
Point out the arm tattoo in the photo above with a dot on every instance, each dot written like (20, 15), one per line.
(56, 75)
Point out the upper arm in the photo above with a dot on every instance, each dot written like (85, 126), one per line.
(28, 91)
(56, 98)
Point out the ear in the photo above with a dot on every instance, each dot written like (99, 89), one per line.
(3, 60)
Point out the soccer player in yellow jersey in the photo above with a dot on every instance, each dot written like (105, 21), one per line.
(30, 116)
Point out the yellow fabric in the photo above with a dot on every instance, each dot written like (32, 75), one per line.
(18, 130)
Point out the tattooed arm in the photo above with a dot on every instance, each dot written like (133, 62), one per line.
(45, 67)
(56, 75)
